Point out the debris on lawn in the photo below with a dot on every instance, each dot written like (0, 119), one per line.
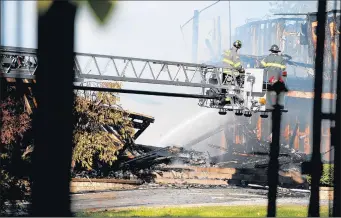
(184, 165)
(178, 166)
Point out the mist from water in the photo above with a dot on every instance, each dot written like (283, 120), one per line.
(196, 126)
(182, 126)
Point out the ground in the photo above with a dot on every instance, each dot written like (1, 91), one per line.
(156, 197)
(209, 211)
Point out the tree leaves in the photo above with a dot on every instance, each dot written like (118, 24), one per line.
(101, 130)
(44, 6)
(15, 122)
(102, 9)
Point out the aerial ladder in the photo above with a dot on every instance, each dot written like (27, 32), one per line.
(21, 63)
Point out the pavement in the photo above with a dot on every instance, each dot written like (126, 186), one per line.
(159, 197)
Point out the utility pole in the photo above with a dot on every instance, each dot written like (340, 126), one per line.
(219, 37)
(214, 35)
(195, 33)
(230, 24)
(195, 36)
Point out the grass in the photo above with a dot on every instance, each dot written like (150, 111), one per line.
(208, 211)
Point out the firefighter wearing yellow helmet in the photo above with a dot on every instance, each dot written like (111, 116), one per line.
(232, 67)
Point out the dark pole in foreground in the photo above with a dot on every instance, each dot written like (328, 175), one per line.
(274, 152)
(1, 93)
(53, 121)
(316, 163)
(337, 136)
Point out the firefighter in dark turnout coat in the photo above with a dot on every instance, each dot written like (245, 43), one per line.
(274, 66)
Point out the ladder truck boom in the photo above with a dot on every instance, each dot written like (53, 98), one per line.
(248, 97)
(23, 62)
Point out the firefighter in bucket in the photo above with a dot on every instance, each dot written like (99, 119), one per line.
(233, 69)
(275, 69)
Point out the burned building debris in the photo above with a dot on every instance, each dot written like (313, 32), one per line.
(297, 37)
(241, 158)
(187, 166)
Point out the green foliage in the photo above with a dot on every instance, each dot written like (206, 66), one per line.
(14, 155)
(102, 9)
(207, 211)
(327, 177)
(12, 189)
(94, 112)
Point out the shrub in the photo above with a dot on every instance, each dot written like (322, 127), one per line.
(14, 150)
(94, 112)
(327, 177)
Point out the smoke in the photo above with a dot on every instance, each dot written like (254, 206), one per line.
(183, 127)
(176, 162)
(156, 35)
(197, 126)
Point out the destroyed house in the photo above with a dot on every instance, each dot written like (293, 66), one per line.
(296, 129)
(139, 121)
(258, 36)
(296, 38)
(295, 35)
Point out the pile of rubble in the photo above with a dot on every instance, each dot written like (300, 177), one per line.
(180, 167)
(183, 166)
(167, 155)
(258, 157)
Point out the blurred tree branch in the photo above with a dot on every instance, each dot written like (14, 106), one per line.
(102, 9)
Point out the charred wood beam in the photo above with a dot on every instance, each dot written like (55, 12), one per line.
(141, 130)
(119, 181)
(141, 117)
(134, 115)
(138, 125)
(146, 155)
